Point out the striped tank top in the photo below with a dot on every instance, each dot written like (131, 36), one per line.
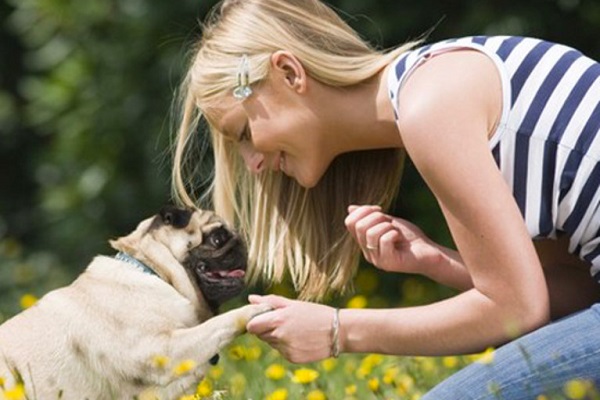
(546, 145)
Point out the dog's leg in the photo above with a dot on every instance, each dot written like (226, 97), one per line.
(197, 345)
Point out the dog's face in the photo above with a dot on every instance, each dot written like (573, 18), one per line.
(212, 255)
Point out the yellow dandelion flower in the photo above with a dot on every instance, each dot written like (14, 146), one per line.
(576, 388)
(363, 371)
(373, 384)
(188, 397)
(275, 372)
(367, 364)
(237, 384)
(350, 390)
(404, 384)
(16, 393)
(329, 364)
(159, 361)
(237, 353)
(28, 300)
(416, 396)
(253, 353)
(487, 357)
(450, 362)
(1, 382)
(305, 375)
(541, 397)
(390, 374)
(205, 388)
(278, 394)
(357, 302)
(316, 395)
(184, 367)
(372, 360)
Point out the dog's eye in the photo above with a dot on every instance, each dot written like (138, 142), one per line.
(218, 237)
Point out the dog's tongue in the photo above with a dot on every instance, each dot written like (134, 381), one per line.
(236, 273)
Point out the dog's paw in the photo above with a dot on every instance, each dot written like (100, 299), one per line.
(250, 311)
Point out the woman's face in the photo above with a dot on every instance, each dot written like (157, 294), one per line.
(277, 129)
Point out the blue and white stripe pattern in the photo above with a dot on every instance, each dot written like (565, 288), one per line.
(547, 144)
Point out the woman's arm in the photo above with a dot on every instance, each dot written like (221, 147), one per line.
(447, 108)
(395, 245)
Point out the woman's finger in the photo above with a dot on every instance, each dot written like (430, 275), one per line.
(273, 300)
(266, 322)
(358, 213)
(262, 324)
(374, 233)
(367, 223)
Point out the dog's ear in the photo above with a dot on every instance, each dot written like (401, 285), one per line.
(124, 244)
(177, 217)
(128, 244)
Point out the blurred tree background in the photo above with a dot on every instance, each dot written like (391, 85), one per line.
(86, 89)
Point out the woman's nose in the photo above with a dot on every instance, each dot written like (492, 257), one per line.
(255, 161)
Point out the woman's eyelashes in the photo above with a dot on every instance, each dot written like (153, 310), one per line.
(246, 135)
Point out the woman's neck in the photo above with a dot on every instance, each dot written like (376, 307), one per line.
(364, 117)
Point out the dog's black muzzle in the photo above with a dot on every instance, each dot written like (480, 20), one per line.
(218, 266)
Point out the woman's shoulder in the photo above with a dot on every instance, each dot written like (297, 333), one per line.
(445, 75)
(458, 76)
(496, 47)
(449, 57)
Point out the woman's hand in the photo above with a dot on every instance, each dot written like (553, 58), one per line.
(392, 244)
(300, 331)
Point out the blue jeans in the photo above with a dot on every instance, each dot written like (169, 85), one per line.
(540, 362)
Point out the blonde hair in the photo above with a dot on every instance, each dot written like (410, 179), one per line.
(290, 230)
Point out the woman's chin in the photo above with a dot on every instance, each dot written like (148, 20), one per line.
(306, 174)
(307, 181)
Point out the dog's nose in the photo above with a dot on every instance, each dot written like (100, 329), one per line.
(214, 360)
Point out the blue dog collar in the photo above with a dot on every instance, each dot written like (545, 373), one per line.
(134, 261)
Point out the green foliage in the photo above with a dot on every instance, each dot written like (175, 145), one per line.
(84, 119)
(85, 95)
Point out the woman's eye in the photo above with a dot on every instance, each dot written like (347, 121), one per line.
(246, 134)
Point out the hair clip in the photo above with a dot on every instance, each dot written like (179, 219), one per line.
(243, 90)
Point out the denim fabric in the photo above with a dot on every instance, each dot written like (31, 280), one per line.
(540, 362)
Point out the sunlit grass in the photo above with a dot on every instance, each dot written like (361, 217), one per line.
(249, 369)
(349, 377)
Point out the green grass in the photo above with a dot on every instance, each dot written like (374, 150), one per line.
(249, 369)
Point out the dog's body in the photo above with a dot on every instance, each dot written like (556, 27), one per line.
(119, 331)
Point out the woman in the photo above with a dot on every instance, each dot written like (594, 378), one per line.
(309, 126)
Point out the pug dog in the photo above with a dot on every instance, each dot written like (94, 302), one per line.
(143, 321)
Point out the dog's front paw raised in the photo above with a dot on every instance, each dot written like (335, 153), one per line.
(246, 313)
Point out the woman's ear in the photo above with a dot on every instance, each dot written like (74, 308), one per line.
(290, 69)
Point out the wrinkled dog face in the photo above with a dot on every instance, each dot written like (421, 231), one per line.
(214, 255)
(219, 265)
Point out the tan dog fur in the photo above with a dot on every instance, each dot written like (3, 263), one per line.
(99, 337)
